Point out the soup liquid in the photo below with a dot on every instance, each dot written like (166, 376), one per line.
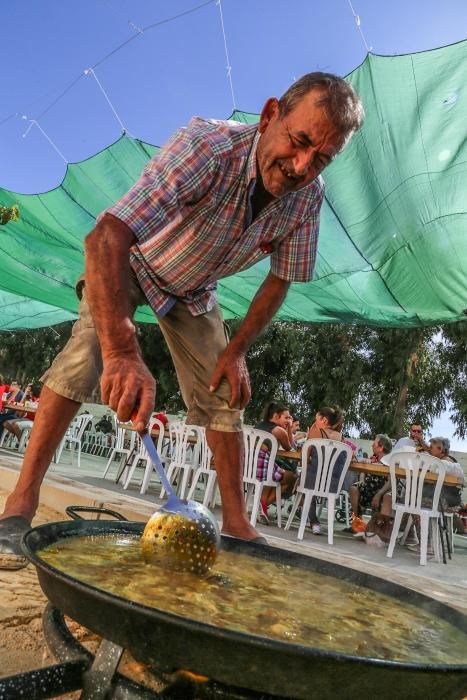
(262, 598)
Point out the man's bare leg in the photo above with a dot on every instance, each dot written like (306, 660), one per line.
(53, 417)
(227, 450)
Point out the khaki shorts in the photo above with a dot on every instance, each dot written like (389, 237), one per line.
(195, 343)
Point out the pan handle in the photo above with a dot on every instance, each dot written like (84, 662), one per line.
(72, 511)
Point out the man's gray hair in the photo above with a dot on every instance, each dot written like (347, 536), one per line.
(444, 442)
(385, 442)
(340, 101)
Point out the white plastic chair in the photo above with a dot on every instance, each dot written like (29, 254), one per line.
(253, 439)
(141, 455)
(184, 456)
(416, 465)
(324, 485)
(24, 439)
(124, 445)
(204, 470)
(74, 436)
(8, 440)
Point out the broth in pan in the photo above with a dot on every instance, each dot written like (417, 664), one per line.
(263, 598)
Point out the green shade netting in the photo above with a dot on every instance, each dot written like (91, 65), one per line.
(392, 247)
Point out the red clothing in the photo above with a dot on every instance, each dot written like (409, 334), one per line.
(162, 417)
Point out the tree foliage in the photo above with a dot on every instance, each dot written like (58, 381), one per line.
(382, 378)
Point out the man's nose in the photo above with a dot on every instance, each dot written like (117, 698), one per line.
(302, 162)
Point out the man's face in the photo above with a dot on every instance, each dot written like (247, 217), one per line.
(415, 432)
(292, 151)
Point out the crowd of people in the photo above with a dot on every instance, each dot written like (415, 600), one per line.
(15, 420)
(366, 493)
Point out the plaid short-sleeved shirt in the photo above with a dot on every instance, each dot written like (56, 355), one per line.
(191, 217)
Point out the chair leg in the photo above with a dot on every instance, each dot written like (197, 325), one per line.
(148, 472)
(109, 462)
(130, 472)
(424, 538)
(395, 532)
(304, 518)
(345, 496)
(279, 505)
(184, 485)
(436, 538)
(450, 530)
(256, 502)
(208, 493)
(331, 509)
(58, 453)
(296, 501)
(407, 529)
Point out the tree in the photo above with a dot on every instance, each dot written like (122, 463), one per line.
(452, 348)
(382, 378)
(25, 355)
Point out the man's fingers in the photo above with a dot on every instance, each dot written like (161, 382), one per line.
(215, 379)
(147, 399)
(127, 404)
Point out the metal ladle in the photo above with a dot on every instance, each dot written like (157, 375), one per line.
(183, 535)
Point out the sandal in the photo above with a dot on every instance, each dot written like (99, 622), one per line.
(12, 530)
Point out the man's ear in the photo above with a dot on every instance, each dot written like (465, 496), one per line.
(270, 112)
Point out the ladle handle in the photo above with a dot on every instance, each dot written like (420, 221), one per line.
(152, 452)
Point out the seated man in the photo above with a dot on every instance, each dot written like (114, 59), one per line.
(370, 491)
(415, 439)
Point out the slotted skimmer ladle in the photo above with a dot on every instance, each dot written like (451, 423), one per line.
(183, 535)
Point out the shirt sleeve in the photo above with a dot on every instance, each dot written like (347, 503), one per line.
(174, 180)
(295, 258)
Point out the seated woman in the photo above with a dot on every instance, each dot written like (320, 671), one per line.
(327, 425)
(370, 492)
(451, 496)
(278, 421)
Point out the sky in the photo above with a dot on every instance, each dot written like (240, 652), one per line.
(165, 74)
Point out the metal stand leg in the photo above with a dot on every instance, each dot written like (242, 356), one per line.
(99, 680)
(126, 463)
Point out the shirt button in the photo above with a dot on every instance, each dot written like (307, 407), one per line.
(266, 248)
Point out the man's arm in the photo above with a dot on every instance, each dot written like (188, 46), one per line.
(126, 383)
(231, 363)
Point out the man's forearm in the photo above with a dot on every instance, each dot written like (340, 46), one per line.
(108, 279)
(266, 302)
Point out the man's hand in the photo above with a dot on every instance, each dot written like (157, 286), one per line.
(128, 387)
(233, 368)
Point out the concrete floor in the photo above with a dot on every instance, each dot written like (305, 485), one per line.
(66, 484)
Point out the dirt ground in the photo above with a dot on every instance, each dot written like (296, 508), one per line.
(22, 642)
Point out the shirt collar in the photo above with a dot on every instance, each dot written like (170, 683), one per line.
(251, 168)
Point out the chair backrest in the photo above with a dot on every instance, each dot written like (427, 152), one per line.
(179, 434)
(79, 424)
(202, 455)
(419, 493)
(324, 465)
(253, 439)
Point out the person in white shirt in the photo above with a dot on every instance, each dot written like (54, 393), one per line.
(415, 439)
